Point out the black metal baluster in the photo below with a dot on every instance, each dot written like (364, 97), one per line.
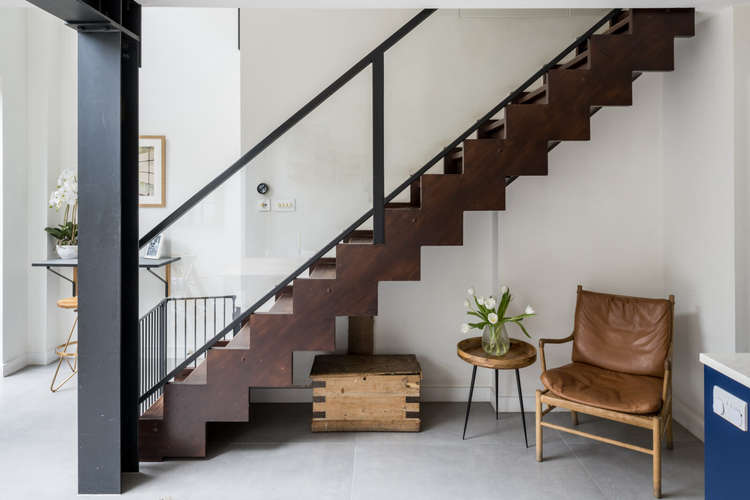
(204, 321)
(175, 333)
(214, 315)
(184, 303)
(195, 330)
(163, 340)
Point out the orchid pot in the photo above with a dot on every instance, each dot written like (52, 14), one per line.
(67, 251)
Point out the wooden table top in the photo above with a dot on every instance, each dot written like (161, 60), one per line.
(521, 354)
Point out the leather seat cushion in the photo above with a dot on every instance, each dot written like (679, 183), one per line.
(594, 386)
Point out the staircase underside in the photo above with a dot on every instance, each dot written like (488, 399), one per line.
(474, 178)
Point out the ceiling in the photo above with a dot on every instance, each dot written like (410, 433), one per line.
(464, 4)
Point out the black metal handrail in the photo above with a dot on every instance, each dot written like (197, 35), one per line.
(378, 207)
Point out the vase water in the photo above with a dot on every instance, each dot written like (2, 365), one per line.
(495, 340)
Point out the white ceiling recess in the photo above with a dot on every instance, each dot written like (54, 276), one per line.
(452, 4)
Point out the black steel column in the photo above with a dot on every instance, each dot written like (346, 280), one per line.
(108, 260)
(378, 149)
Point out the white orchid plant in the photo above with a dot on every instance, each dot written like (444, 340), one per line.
(492, 313)
(66, 195)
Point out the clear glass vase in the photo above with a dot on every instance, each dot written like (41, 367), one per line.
(495, 340)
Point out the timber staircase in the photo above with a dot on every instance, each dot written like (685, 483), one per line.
(475, 175)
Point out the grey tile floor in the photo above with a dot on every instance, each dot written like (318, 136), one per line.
(276, 457)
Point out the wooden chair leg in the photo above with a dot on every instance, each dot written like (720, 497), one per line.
(538, 425)
(657, 457)
(670, 441)
(574, 417)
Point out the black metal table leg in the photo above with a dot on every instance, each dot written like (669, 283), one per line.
(496, 410)
(523, 416)
(471, 393)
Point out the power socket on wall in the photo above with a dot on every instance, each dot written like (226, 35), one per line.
(289, 205)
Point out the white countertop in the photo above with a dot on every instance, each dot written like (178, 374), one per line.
(734, 365)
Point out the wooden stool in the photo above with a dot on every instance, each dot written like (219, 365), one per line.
(520, 355)
(62, 349)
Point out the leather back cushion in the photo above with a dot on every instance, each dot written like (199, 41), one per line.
(624, 334)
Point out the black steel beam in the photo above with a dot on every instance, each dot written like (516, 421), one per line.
(108, 262)
(115, 15)
(378, 149)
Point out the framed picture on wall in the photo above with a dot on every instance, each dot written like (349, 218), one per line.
(152, 171)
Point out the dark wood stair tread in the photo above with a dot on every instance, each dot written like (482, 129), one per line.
(400, 204)
(241, 340)
(287, 290)
(576, 62)
(359, 237)
(283, 305)
(198, 375)
(156, 411)
(618, 27)
(533, 95)
(324, 272)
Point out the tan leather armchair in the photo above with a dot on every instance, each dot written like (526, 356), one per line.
(620, 370)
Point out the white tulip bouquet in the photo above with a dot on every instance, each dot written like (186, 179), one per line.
(491, 314)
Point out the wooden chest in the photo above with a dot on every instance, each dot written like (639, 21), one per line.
(366, 393)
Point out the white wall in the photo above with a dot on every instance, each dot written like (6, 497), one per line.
(741, 32)
(189, 92)
(13, 75)
(52, 123)
(699, 205)
(38, 69)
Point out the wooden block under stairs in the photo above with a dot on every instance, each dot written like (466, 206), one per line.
(366, 393)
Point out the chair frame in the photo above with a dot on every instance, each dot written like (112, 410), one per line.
(65, 355)
(659, 423)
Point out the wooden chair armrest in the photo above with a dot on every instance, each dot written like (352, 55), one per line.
(555, 341)
(550, 341)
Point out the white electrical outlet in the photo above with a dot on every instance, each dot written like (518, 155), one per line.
(284, 205)
(263, 205)
(730, 408)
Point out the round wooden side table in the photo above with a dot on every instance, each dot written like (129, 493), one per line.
(520, 355)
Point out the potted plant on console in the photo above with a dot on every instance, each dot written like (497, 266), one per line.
(66, 234)
(492, 319)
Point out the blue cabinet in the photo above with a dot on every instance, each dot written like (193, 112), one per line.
(727, 447)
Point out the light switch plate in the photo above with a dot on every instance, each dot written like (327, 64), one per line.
(263, 205)
(730, 408)
(284, 205)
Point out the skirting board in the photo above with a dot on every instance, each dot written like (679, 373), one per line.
(13, 365)
(688, 418)
(37, 358)
(457, 394)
